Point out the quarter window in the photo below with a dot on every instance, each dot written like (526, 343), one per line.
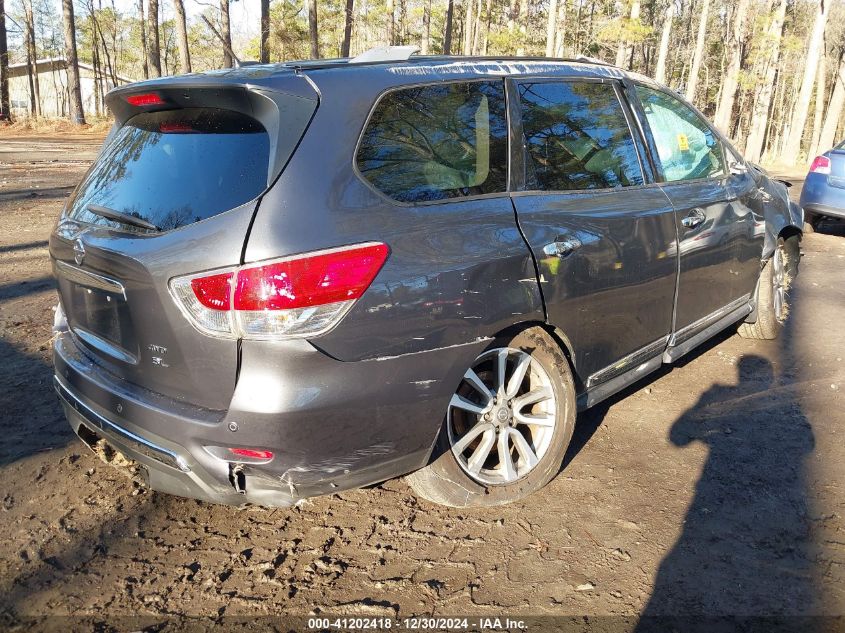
(687, 147)
(577, 137)
(437, 142)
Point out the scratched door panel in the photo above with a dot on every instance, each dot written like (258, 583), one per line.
(613, 295)
(604, 239)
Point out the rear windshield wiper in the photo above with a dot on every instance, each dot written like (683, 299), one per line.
(123, 218)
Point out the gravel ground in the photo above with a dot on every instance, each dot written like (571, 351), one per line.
(717, 486)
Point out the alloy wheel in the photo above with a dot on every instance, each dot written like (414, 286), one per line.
(779, 285)
(502, 417)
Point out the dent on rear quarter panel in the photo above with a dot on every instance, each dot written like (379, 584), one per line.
(457, 272)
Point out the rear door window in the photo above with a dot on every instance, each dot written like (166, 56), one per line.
(437, 142)
(688, 148)
(577, 137)
(176, 167)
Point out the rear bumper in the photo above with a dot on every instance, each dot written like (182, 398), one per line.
(331, 425)
(823, 209)
(819, 197)
(163, 469)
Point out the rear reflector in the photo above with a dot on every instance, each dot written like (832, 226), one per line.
(170, 128)
(295, 297)
(251, 453)
(820, 165)
(146, 99)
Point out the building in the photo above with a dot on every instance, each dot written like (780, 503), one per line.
(52, 85)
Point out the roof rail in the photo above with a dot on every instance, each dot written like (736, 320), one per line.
(591, 60)
(385, 54)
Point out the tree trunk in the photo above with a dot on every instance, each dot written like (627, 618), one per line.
(95, 64)
(623, 53)
(447, 33)
(312, 29)
(665, 35)
(551, 28)
(488, 14)
(692, 80)
(469, 20)
(426, 35)
(264, 50)
(402, 23)
(29, 75)
(834, 109)
(348, 15)
(792, 148)
(142, 23)
(724, 110)
(182, 34)
(97, 31)
(560, 43)
(153, 52)
(819, 110)
(5, 104)
(515, 23)
(475, 49)
(32, 54)
(763, 98)
(391, 22)
(226, 28)
(77, 115)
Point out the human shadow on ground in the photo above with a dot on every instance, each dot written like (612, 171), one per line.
(744, 548)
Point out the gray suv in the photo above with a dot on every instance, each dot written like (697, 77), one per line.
(283, 281)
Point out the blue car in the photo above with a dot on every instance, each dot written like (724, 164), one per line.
(823, 195)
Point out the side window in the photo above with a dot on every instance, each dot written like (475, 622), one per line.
(686, 145)
(577, 137)
(437, 142)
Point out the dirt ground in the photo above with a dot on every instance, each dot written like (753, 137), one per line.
(714, 487)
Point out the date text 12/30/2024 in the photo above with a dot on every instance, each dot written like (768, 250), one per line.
(414, 624)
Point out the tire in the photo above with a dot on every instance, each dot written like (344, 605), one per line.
(811, 222)
(467, 468)
(773, 291)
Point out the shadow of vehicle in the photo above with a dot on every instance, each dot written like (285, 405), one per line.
(831, 226)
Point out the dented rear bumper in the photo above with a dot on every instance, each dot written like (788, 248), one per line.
(331, 425)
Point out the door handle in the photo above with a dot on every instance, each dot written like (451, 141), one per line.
(694, 218)
(562, 247)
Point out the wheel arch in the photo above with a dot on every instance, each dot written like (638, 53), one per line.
(558, 336)
(782, 217)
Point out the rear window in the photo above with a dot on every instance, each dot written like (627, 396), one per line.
(437, 142)
(177, 167)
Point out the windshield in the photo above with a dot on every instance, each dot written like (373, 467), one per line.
(176, 167)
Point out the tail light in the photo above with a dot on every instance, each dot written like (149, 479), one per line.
(294, 297)
(146, 99)
(820, 165)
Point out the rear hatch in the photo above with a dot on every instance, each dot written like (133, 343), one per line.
(837, 166)
(173, 193)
